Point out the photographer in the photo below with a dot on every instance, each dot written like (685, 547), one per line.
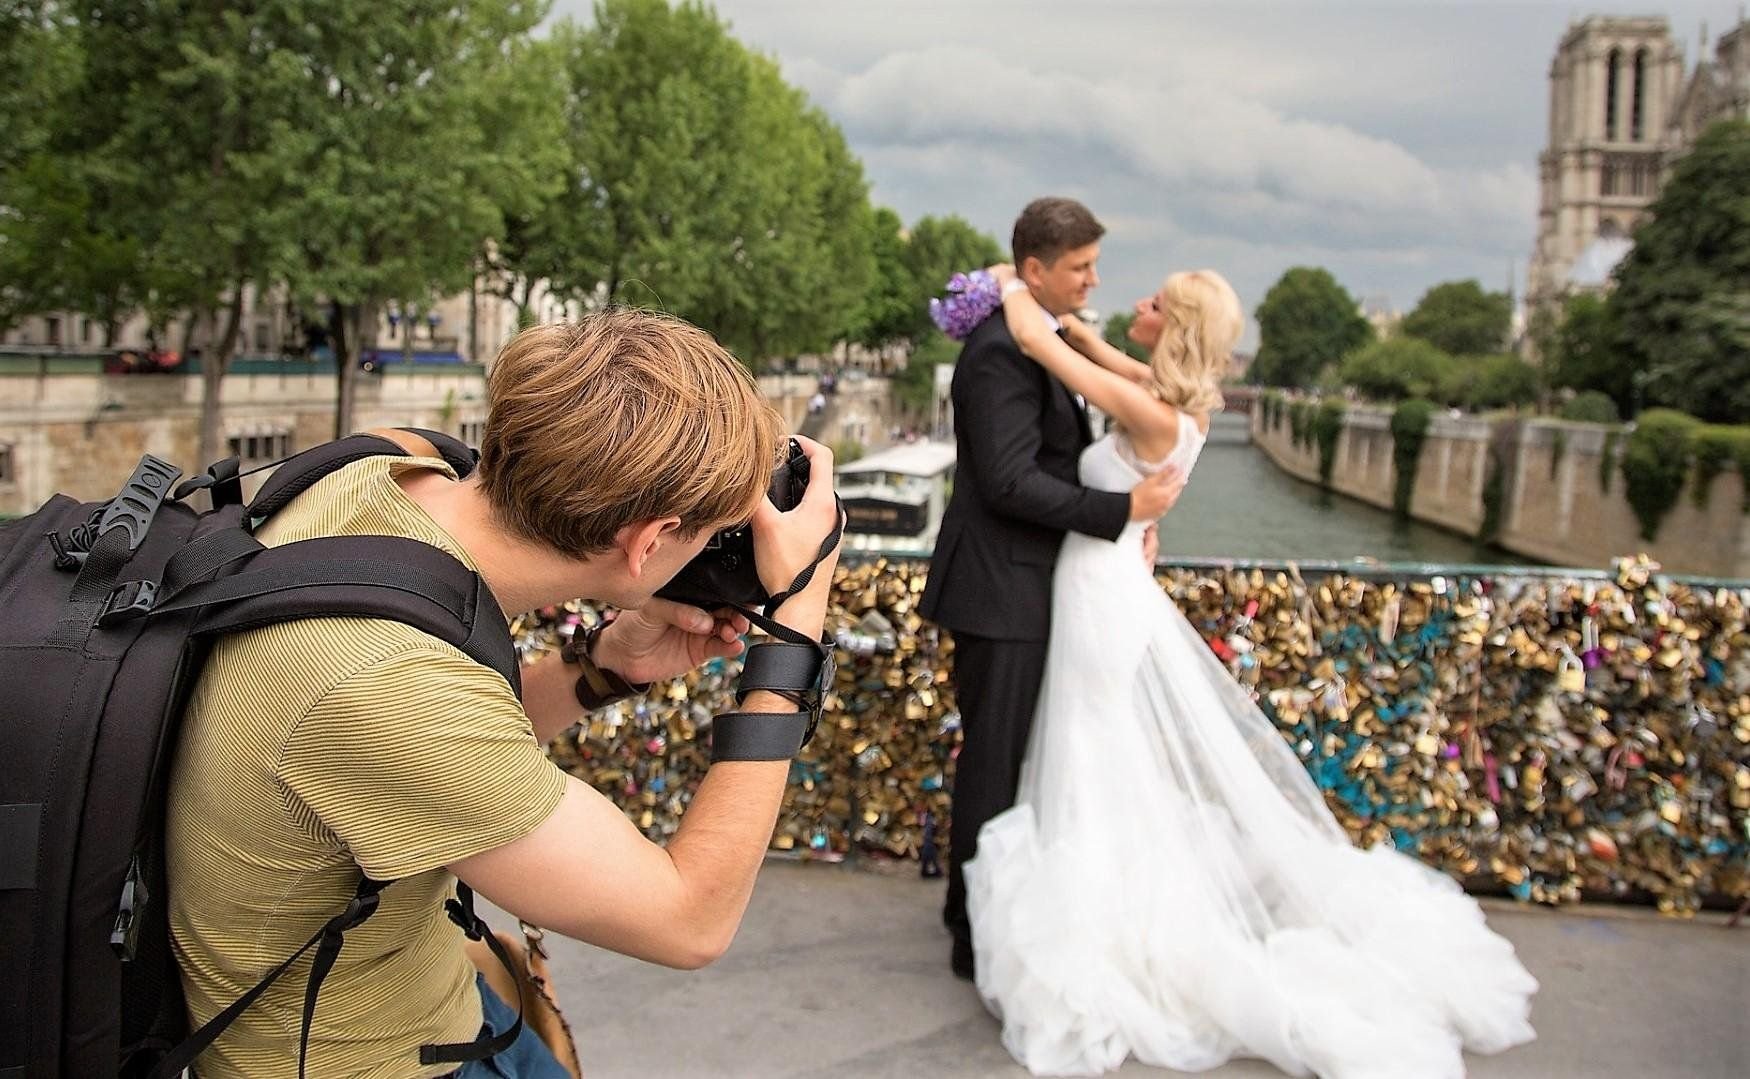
(616, 448)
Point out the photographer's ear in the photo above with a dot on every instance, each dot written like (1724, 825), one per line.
(642, 539)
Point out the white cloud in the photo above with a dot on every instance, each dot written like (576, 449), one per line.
(1393, 142)
(1210, 144)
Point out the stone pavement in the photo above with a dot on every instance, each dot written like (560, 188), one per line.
(844, 973)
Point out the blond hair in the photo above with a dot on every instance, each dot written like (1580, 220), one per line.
(1201, 322)
(623, 416)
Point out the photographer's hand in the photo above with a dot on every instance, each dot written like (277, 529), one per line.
(786, 544)
(663, 639)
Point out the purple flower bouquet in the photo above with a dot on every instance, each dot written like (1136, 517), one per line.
(971, 299)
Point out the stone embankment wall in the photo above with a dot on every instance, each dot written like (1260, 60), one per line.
(1556, 505)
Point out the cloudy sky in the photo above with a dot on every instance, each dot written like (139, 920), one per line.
(1393, 142)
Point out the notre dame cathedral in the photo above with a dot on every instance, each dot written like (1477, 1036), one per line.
(1622, 109)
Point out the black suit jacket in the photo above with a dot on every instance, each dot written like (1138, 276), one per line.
(1019, 433)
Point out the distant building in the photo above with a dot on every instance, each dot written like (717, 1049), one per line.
(1613, 84)
(1381, 315)
(470, 325)
(1719, 88)
(1621, 112)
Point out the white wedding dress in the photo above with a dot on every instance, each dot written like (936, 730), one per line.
(1171, 885)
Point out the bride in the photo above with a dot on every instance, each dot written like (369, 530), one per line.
(1169, 883)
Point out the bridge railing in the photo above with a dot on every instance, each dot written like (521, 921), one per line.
(1436, 706)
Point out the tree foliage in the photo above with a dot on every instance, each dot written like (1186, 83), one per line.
(1656, 464)
(915, 385)
(888, 313)
(1461, 319)
(1588, 353)
(1306, 322)
(195, 179)
(43, 206)
(712, 188)
(1395, 369)
(1590, 406)
(432, 128)
(1502, 381)
(1682, 299)
(937, 249)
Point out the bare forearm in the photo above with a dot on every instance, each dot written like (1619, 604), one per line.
(550, 696)
(721, 842)
(1027, 321)
(1113, 360)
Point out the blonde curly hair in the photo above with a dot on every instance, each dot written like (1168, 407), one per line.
(1201, 323)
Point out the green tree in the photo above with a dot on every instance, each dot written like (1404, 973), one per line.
(1117, 334)
(435, 124)
(889, 309)
(706, 186)
(939, 248)
(1590, 406)
(915, 384)
(533, 244)
(72, 225)
(193, 180)
(1587, 352)
(42, 201)
(1682, 299)
(1395, 369)
(1306, 322)
(1459, 318)
(1502, 381)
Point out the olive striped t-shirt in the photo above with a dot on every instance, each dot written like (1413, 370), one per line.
(312, 749)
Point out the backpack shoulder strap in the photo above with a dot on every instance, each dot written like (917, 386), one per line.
(301, 471)
(456, 453)
(390, 577)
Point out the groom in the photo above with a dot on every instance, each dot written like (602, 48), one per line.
(1019, 433)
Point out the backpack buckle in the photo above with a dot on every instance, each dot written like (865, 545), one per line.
(128, 600)
(124, 937)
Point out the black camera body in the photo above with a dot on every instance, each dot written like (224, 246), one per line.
(724, 573)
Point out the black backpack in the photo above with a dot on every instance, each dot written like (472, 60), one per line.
(107, 612)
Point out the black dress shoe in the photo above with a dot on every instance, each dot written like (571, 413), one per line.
(961, 961)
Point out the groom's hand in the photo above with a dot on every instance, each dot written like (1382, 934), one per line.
(1151, 545)
(1153, 497)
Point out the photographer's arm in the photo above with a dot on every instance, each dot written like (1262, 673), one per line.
(587, 872)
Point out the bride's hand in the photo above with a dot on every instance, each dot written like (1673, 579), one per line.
(1078, 333)
(1003, 272)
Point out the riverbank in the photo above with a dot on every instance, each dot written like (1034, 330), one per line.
(1548, 490)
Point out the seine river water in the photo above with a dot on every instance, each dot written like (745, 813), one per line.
(1239, 505)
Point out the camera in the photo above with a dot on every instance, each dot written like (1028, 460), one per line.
(724, 573)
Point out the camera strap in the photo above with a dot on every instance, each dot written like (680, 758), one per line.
(803, 579)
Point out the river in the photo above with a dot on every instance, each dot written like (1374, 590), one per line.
(1239, 505)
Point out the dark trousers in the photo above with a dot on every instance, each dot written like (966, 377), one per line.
(997, 686)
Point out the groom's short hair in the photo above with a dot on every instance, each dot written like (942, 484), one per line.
(1048, 227)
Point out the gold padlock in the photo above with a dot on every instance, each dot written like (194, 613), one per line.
(1571, 674)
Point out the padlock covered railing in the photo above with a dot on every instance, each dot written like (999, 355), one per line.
(1551, 734)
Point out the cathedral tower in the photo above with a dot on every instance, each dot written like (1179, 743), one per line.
(1613, 87)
